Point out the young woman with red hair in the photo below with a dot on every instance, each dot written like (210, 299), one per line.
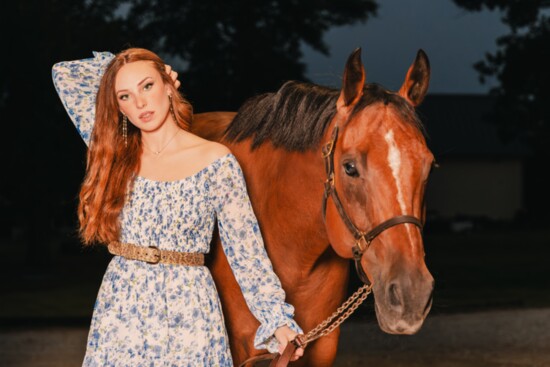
(153, 192)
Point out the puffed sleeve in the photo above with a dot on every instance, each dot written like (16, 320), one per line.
(243, 245)
(77, 83)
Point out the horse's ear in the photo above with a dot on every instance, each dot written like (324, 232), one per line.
(354, 80)
(416, 83)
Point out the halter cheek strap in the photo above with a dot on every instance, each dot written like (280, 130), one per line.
(362, 239)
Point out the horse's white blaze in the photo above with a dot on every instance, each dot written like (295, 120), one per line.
(394, 161)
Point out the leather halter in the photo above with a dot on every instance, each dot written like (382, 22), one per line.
(363, 240)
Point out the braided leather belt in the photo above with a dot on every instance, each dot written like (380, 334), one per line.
(154, 255)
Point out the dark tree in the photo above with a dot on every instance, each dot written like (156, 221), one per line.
(229, 50)
(521, 67)
(234, 49)
(43, 156)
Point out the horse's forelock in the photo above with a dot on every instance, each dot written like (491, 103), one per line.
(375, 93)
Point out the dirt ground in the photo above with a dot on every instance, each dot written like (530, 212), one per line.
(515, 338)
(518, 338)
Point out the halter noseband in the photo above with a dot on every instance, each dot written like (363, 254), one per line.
(362, 239)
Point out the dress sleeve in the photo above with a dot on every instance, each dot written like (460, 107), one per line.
(243, 245)
(77, 83)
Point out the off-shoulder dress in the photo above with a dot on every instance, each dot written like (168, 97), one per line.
(170, 315)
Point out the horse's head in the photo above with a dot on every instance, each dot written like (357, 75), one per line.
(380, 164)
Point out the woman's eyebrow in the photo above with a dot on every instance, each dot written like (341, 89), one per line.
(140, 83)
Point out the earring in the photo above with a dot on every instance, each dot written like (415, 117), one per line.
(172, 108)
(125, 129)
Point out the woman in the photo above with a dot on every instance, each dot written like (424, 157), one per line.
(153, 193)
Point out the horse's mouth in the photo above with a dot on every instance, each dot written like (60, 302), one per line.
(401, 324)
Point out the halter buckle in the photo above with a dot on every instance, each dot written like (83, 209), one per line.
(329, 183)
(360, 247)
(327, 150)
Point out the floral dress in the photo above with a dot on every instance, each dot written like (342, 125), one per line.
(170, 315)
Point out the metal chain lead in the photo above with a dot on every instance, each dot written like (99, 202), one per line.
(342, 313)
(324, 328)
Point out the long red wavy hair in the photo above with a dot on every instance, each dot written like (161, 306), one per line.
(111, 166)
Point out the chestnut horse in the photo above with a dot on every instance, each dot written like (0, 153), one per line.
(379, 164)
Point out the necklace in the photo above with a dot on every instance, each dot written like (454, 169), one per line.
(158, 152)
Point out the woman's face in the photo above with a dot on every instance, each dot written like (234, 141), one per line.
(142, 95)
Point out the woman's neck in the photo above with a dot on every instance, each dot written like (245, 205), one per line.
(157, 141)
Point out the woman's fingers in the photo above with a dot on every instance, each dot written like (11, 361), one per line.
(284, 335)
(297, 354)
(173, 75)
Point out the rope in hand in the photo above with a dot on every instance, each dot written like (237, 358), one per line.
(324, 328)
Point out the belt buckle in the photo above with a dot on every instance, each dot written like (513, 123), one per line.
(156, 254)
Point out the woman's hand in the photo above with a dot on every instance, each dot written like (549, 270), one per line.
(173, 75)
(284, 334)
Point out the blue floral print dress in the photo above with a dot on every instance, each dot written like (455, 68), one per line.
(170, 315)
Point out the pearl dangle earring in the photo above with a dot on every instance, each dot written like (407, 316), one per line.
(125, 130)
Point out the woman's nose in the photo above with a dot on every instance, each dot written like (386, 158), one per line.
(140, 102)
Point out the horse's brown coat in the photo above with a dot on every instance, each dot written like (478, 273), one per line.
(309, 255)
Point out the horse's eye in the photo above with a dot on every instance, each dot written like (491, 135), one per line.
(350, 169)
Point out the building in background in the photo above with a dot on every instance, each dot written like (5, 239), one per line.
(480, 177)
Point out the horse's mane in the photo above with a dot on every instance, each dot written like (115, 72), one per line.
(296, 116)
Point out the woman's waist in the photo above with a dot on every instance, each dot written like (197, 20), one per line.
(169, 243)
(155, 255)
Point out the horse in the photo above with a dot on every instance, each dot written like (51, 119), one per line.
(332, 175)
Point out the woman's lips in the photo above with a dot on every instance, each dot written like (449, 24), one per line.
(146, 116)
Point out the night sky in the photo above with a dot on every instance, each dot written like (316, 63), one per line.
(453, 38)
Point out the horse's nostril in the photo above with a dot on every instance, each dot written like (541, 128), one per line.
(428, 305)
(394, 297)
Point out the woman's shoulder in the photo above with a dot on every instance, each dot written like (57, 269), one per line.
(205, 153)
(213, 150)
(210, 152)
(207, 150)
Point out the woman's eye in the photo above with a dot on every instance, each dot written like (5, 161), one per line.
(350, 169)
(123, 97)
(148, 86)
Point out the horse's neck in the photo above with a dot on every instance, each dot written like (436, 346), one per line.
(287, 192)
(286, 189)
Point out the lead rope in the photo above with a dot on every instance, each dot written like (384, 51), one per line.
(324, 328)
(341, 314)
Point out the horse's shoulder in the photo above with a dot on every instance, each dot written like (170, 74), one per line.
(211, 125)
